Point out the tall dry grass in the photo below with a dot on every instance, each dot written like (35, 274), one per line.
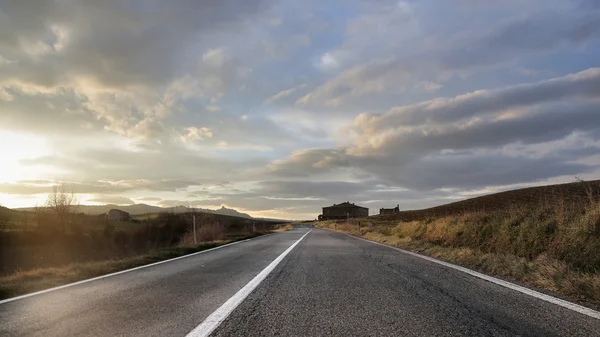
(569, 236)
(208, 229)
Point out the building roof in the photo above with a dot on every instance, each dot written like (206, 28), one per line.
(344, 205)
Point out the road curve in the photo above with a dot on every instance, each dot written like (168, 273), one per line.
(329, 284)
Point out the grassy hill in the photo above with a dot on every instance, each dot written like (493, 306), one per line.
(573, 195)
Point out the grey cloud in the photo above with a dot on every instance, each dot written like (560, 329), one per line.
(437, 55)
(477, 171)
(450, 152)
(310, 161)
(585, 85)
(314, 188)
(111, 199)
(128, 66)
(544, 124)
(541, 31)
(121, 43)
(93, 187)
(365, 190)
(149, 199)
(165, 162)
(549, 29)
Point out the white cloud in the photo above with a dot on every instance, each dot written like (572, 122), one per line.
(328, 62)
(215, 57)
(284, 93)
(194, 134)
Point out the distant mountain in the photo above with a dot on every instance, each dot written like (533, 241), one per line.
(138, 209)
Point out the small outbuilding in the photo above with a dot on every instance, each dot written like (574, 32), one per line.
(389, 210)
(344, 210)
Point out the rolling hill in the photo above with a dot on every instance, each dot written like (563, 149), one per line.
(138, 209)
(578, 193)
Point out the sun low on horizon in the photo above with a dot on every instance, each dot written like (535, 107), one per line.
(280, 108)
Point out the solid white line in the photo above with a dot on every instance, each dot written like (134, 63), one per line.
(218, 316)
(565, 304)
(117, 273)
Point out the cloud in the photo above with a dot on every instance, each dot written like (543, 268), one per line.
(124, 71)
(429, 87)
(416, 55)
(284, 93)
(542, 106)
(148, 199)
(371, 78)
(111, 199)
(194, 134)
(95, 187)
(294, 105)
(215, 57)
(460, 142)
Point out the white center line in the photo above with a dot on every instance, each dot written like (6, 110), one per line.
(218, 316)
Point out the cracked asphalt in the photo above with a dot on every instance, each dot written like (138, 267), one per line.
(329, 285)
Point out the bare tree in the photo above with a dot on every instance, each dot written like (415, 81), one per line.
(63, 204)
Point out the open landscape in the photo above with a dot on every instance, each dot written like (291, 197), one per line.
(208, 168)
(547, 237)
(57, 244)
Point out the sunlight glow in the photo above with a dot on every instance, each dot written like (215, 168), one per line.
(16, 147)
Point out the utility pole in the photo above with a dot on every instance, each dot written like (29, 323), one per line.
(194, 221)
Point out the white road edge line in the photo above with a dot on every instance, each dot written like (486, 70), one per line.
(565, 304)
(118, 273)
(218, 316)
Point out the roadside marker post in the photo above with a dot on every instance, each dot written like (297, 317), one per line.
(194, 221)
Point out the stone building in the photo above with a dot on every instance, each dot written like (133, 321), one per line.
(117, 215)
(343, 211)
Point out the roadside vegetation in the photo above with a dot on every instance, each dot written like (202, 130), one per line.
(549, 241)
(56, 245)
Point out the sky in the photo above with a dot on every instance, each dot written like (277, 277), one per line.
(278, 108)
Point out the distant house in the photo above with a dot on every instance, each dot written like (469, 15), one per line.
(389, 210)
(117, 215)
(343, 211)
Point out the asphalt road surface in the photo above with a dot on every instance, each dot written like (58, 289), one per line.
(329, 284)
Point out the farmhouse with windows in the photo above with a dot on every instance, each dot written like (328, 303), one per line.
(343, 211)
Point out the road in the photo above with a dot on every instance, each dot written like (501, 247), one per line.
(329, 284)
